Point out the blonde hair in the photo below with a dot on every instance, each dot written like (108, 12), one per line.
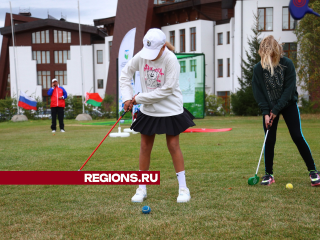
(270, 52)
(170, 46)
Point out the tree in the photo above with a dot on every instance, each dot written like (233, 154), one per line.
(8, 107)
(308, 57)
(109, 107)
(243, 102)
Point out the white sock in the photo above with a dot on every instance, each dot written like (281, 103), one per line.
(182, 179)
(143, 186)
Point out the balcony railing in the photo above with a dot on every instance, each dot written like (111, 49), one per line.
(160, 2)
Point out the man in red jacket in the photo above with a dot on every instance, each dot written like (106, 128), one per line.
(58, 95)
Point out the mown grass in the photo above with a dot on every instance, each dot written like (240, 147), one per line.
(218, 165)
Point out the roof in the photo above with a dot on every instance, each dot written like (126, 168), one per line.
(52, 23)
(104, 21)
(172, 6)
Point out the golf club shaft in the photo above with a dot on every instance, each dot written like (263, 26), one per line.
(262, 151)
(102, 141)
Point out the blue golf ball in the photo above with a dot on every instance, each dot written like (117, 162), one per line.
(146, 209)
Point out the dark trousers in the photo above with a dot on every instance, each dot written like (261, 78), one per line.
(291, 116)
(54, 112)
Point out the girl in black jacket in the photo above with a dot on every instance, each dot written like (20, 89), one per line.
(274, 88)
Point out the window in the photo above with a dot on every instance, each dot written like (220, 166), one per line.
(220, 67)
(182, 40)
(228, 69)
(228, 37)
(220, 38)
(43, 38)
(226, 97)
(110, 47)
(290, 50)
(42, 57)
(61, 56)
(193, 39)
(37, 37)
(61, 36)
(182, 66)
(99, 56)
(100, 83)
(61, 76)
(172, 37)
(288, 23)
(223, 94)
(265, 19)
(40, 37)
(64, 38)
(44, 79)
(193, 67)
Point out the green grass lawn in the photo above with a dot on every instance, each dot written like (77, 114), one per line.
(218, 165)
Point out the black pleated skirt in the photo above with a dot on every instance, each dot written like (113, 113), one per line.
(172, 125)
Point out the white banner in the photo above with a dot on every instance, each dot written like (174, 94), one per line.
(125, 54)
(137, 89)
(187, 86)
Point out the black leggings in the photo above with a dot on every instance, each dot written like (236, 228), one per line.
(291, 116)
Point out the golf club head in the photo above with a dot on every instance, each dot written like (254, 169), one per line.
(253, 180)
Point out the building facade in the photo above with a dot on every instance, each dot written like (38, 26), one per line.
(218, 28)
(47, 49)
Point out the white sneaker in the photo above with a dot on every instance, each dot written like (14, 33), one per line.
(140, 195)
(53, 131)
(62, 130)
(184, 195)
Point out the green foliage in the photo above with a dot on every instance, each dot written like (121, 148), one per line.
(8, 108)
(73, 107)
(308, 106)
(215, 106)
(128, 115)
(308, 57)
(243, 102)
(41, 106)
(109, 107)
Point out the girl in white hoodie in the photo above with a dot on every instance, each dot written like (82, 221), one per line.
(162, 109)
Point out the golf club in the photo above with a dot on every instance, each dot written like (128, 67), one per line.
(102, 141)
(254, 180)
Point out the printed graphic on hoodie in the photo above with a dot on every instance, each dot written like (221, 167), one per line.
(153, 77)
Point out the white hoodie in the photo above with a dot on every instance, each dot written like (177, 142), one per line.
(161, 95)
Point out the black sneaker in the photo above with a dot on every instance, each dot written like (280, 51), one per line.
(315, 179)
(267, 180)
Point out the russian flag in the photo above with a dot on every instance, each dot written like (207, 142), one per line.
(26, 102)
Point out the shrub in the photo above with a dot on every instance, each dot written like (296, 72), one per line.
(8, 108)
(214, 106)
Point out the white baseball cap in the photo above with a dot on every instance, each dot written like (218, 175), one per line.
(153, 41)
(54, 80)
